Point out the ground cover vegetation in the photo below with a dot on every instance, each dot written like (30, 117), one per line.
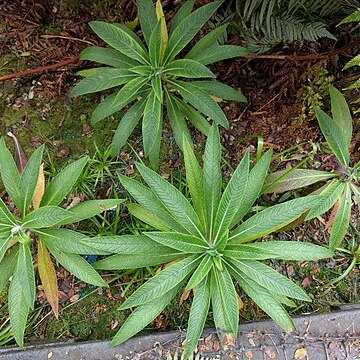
(195, 235)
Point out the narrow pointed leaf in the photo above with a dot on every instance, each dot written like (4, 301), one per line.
(108, 56)
(6, 217)
(188, 27)
(147, 17)
(198, 313)
(155, 45)
(181, 14)
(48, 277)
(161, 283)
(107, 78)
(164, 34)
(39, 189)
(255, 183)
(7, 266)
(185, 243)
(120, 40)
(195, 182)
(173, 200)
(284, 250)
(156, 86)
(341, 220)
(127, 93)
(201, 100)
(220, 90)
(78, 266)
(30, 177)
(188, 68)
(200, 273)
(212, 176)
(62, 184)
(272, 219)
(270, 279)
(10, 175)
(5, 241)
(143, 315)
(127, 125)
(46, 216)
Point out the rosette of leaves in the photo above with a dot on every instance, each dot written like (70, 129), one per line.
(156, 75)
(338, 192)
(33, 230)
(210, 242)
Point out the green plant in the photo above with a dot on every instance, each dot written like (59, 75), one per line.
(338, 192)
(34, 227)
(265, 23)
(151, 75)
(206, 246)
(354, 17)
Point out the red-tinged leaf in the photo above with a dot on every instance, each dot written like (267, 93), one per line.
(20, 157)
(48, 277)
(332, 215)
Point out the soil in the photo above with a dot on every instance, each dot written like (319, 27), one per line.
(37, 108)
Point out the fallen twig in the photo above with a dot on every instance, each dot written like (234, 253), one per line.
(39, 69)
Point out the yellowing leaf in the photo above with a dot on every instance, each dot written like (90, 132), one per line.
(217, 99)
(300, 354)
(164, 34)
(48, 277)
(40, 189)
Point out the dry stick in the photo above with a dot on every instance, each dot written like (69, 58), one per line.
(39, 69)
(66, 38)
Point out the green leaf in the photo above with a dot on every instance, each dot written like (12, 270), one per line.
(194, 117)
(129, 91)
(162, 282)
(283, 250)
(173, 200)
(152, 121)
(212, 176)
(341, 115)
(126, 126)
(107, 78)
(106, 108)
(90, 208)
(25, 274)
(195, 183)
(7, 266)
(78, 266)
(185, 243)
(69, 241)
(144, 196)
(286, 180)
(122, 262)
(269, 278)
(329, 194)
(219, 90)
(143, 70)
(201, 272)
(272, 219)
(147, 217)
(120, 40)
(202, 101)
(180, 15)
(107, 56)
(156, 86)
(147, 17)
(264, 300)
(198, 313)
(255, 183)
(218, 53)
(18, 309)
(155, 49)
(187, 68)
(231, 201)
(29, 178)
(177, 121)
(127, 244)
(5, 240)
(341, 220)
(10, 175)
(333, 135)
(6, 217)
(207, 41)
(143, 315)
(188, 27)
(63, 182)
(46, 216)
